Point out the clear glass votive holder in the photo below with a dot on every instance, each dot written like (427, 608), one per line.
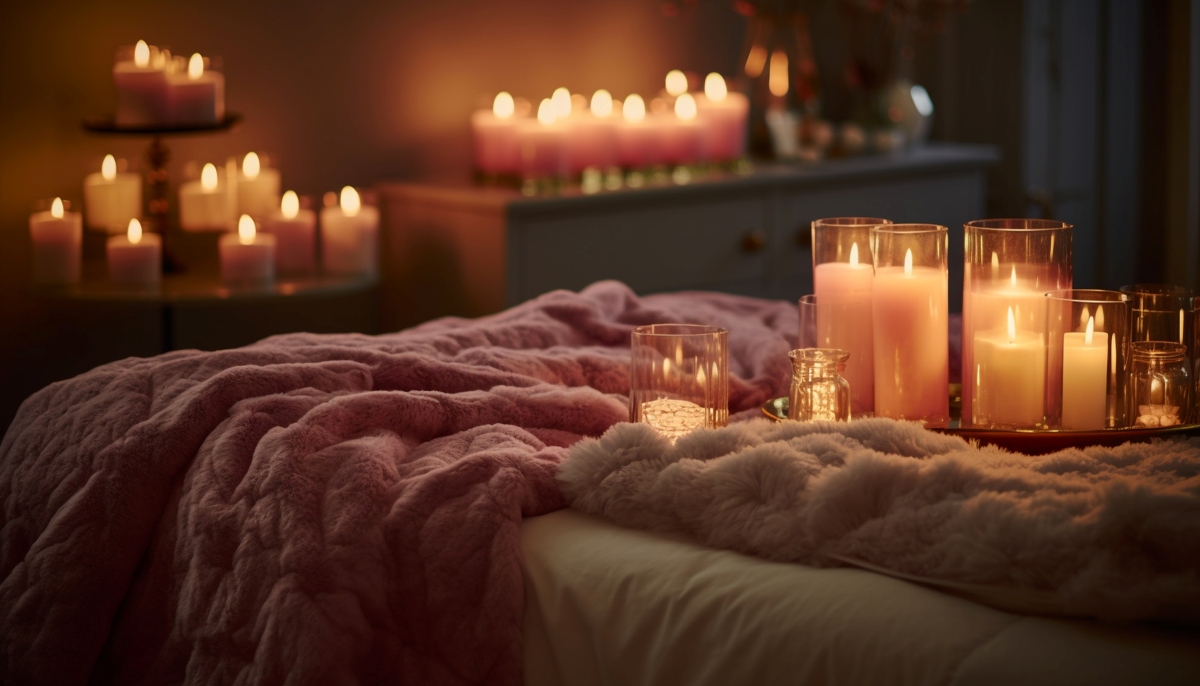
(845, 326)
(679, 377)
(819, 392)
(1087, 334)
(1008, 266)
(1163, 312)
(1160, 386)
(910, 321)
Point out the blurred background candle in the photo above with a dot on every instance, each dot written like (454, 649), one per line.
(247, 257)
(724, 117)
(294, 230)
(1010, 368)
(676, 83)
(638, 142)
(543, 143)
(205, 205)
(910, 323)
(350, 236)
(1085, 378)
(141, 82)
(135, 258)
(495, 137)
(681, 133)
(57, 237)
(258, 187)
(195, 95)
(111, 198)
(593, 135)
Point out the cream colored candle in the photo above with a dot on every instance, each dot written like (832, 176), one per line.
(258, 187)
(350, 236)
(911, 347)
(295, 236)
(1010, 377)
(111, 198)
(1084, 381)
(206, 205)
(57, 237)
(135, 258)
(195, 96)
(247, 257)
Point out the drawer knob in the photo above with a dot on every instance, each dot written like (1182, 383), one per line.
(754, 240)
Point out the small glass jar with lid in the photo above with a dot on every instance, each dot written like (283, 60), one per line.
(819, 390)
(1159, 384)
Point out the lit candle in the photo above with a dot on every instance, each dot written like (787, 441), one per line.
(247, 257)
(543, 142)
(637, 135)
(724, 117)
(111, 199)
(205, 204)
(1084, 381)
(593, 137)
(258, 187)
(57, 237)
(1010, 376)
(350, 236)
(196, 95)
(910, 341)
(844, 295)
(681, 133)
(676, 83)
(495, 137)
(141, 87)
(135, 258)
(294, 230)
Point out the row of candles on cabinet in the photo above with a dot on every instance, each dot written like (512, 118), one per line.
(156, 88)
(568, 133)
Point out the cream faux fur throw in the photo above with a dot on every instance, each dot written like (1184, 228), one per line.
(1112, 533)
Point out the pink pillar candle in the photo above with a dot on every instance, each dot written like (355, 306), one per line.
(844, 320)
(911, 325)
(195, 96)
(135, 259)
(593, 143)
(247, 257)
(57, 237)
(724, 116)
(350, 236)
(141, 81)
(294, 230)
(543, 144)
(495, 135)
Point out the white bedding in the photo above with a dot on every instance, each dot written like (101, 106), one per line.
(608, 605)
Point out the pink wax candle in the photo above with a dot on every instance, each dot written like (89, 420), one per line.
(681, 133)
(494, 135)
(247, 257)
(593, 136)
(195, 95)
(543, 144)
(141, 86)
(844, 320)
(724, 117)
(638, 136)
(57, 237)
(135, 259)
(295, 231)
(350, 236)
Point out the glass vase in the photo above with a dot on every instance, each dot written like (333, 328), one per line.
(819, 392)
(1159, 384)
(679, 377)
(1087, 348)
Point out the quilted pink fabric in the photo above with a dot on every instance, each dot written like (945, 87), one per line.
(319, 509)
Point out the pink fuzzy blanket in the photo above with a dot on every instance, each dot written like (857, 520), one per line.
(319, 509)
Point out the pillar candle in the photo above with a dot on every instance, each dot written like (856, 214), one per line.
(848, 288)
(350, 236)
(1010, 376)
(638, 136)
(1084, 380)
(258, 187)
(910, 326)
(206, 205)
(724, 117)
(111, 199)
(494, 134)
(247, 256)
(141, 87)
(593, 137)
(681, 133)
(135, 258)
(294, 230)
(57, 237)
(543, 144)
(195, 95)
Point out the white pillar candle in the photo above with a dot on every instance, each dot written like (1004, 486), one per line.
(638, 136)
(141, 87)
(135, 258)
(1085, 377)
(350, 236)
(247, 257)
(57, 237)
(543, 144)
(1010, 376)
(206, 205)
(258, 187)
(494, 135)
(848, 287)
(910, 326)
(681, 133)
(195, 96)
(111, 199)
(724, 117)
(294, 230)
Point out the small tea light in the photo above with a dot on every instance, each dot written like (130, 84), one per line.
(57, 237)
(294, 230)
(111, 198)
(136, 258)
(247, 257)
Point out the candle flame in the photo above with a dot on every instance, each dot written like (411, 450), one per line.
(602, 103)
(777, 79)
(1084, 316)
(854, 253)
(289, 207)
(1012, 325)
(195, 66)
(755, 61)
(134, 232)
(504, 106)
(685, 107)
(1013, 278)
(634, 109)
(251, 166)
(1100, 317)
(908, 262)
(561, 101)
(676, 82)
(246, 230)
(208, 177)
(108, 168)
(995, 261)
(545, 113)
(350, 201)
(714, 87)
(141, 54)
(1087, 337)
(56, 208)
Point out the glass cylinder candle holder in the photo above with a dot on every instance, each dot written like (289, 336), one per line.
(1087, 344)
(1162, 312)
(843, 275)
(1159, 383)
(1008, 266)
(911, 323)
(679, 378)
(819, 392)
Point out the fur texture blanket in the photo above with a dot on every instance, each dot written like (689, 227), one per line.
(319, 509)
(1106, 532)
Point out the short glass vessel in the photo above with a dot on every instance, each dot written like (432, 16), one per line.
(1159, 383)
(819, 391)
(679, 377)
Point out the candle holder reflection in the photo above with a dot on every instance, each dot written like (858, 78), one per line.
(679, 378)
(819, 392)
(1160, 385)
